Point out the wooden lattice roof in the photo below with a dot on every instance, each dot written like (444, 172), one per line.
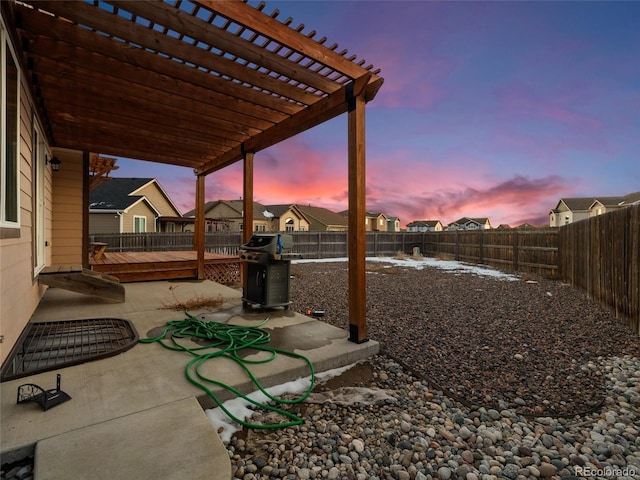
(189, 83)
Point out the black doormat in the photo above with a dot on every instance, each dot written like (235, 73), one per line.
(45, 346)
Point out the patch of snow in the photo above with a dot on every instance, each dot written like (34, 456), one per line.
(267, 214)
(239, 407)
(448, 265)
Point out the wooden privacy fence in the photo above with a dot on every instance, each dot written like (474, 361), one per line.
(601, 255)
(522, 250)
(518, 250)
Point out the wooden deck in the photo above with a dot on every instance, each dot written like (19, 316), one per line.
(146, 266)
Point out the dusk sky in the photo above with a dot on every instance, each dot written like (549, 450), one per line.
(488, 109)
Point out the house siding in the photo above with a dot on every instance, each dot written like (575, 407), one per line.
(20, 291)
(221, 211)
(299, 224)
(158, 200)
(104, 223)
(68, 210)
(140, 209)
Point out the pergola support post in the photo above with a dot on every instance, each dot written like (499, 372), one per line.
(198, 234)
(247, 196)
(247, 206)
(357, 207)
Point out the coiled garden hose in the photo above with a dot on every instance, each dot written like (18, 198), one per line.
(227, 341)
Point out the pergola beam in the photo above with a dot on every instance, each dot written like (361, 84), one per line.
(321, 111)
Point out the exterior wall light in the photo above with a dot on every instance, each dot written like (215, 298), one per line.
(54, 162)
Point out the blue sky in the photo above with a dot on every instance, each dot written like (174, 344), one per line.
(488, 109)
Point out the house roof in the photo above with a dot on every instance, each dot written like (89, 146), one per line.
(194, 83)
(465, 220)
(586, 203)
(577, 203)
(323, 215)
(426, 223)
(236, 205)
(618, 201)
(279, 210)
(115, 193)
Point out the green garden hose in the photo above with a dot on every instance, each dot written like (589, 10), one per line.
(224, 340)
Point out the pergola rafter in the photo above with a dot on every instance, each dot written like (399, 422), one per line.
(199, 84)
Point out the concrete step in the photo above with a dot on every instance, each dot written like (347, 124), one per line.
(171, 441)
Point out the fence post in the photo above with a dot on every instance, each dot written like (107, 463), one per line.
(481, 251)
(457, 246)
(319, 245)
(515, 251)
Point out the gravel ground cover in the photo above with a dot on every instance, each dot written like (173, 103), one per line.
(484, 378)
(525, 343)
(418, 433)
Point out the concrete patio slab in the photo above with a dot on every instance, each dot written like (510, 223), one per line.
(148, 376)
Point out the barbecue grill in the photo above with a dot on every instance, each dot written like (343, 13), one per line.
(268, 257)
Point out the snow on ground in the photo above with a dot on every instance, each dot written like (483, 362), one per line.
(239, 407)
(448, 265)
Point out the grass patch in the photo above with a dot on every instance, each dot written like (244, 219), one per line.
(400, 255)
(193, 303)
(297, 273)
(381, 268)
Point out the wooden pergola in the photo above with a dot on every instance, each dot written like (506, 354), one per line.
(200, 84)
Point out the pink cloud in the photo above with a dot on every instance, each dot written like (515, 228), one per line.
(512, 201)
(443, 189)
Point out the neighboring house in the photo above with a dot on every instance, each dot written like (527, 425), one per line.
(322, 219)
(607, 204)
(393, 224)
(466, 223)
(132, 205)
(226, 216)
(378, 222)
(425, 226)
(287, 218)
(569, 210)
(375, 222)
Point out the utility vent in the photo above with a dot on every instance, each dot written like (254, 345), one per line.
(48, 346)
